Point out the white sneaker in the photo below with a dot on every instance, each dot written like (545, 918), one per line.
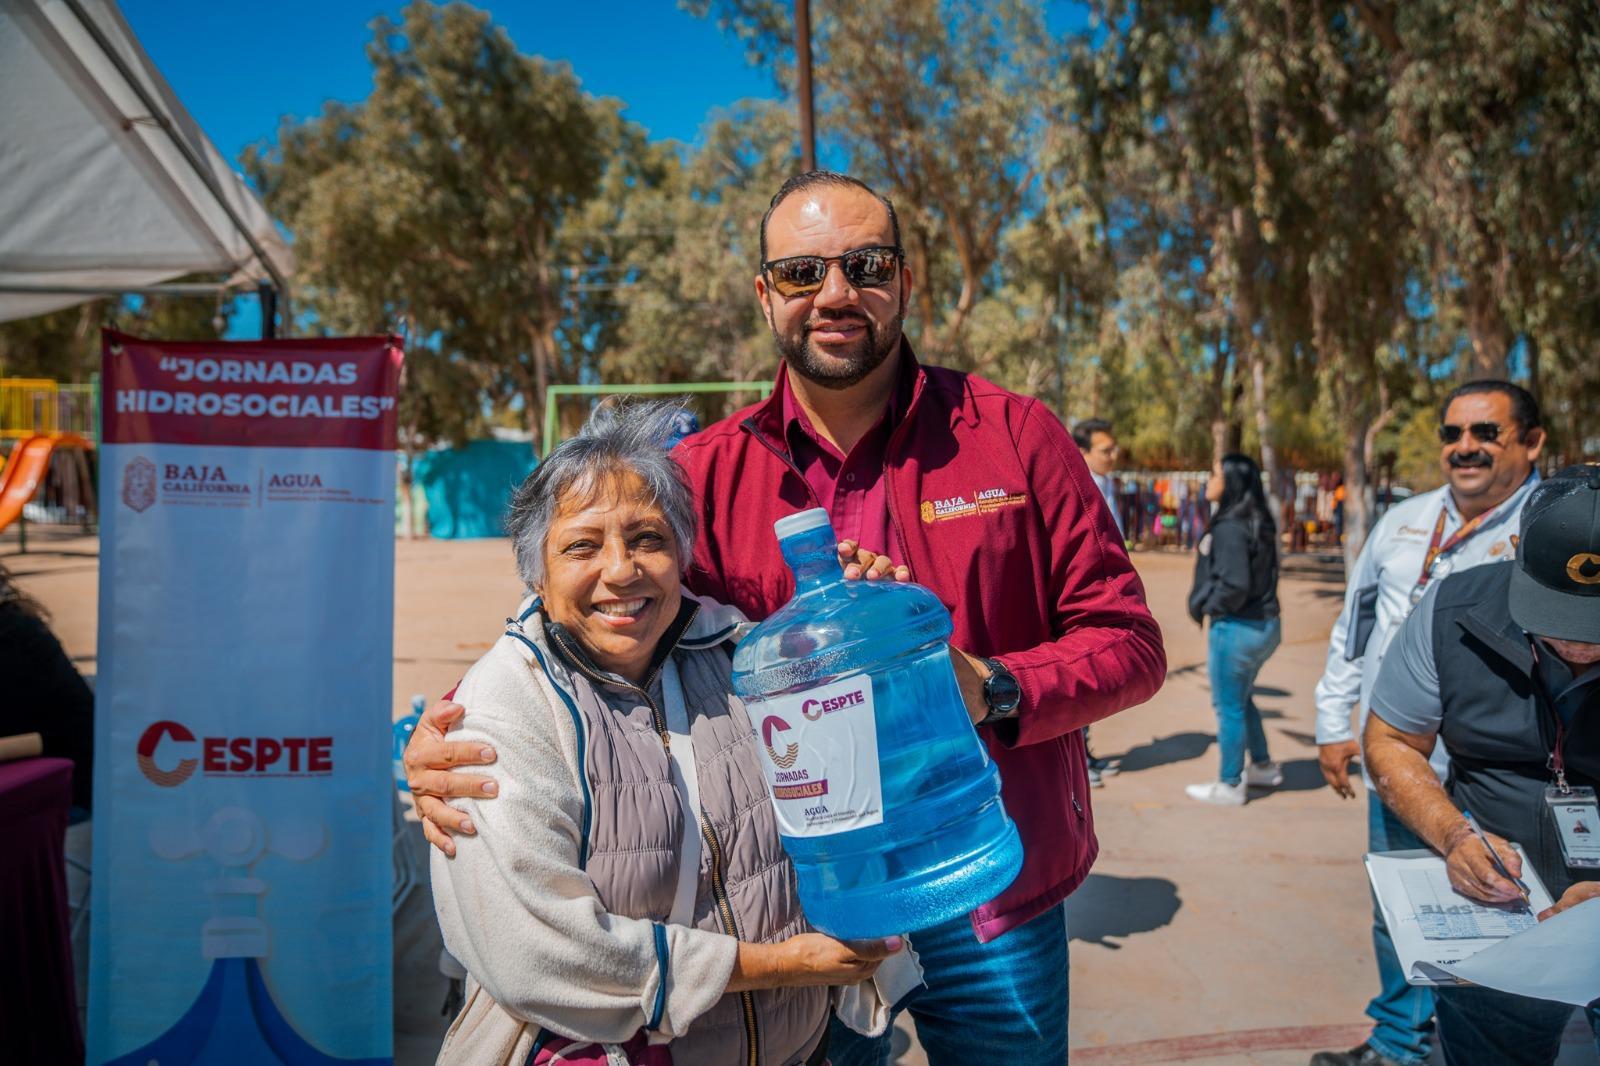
(1215, 792)
(1263, 775)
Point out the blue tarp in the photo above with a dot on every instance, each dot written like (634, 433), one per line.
(468, 489)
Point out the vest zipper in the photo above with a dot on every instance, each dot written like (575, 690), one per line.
(657, 718)
(719, 892)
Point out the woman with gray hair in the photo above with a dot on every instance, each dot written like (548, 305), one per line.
(625, 898)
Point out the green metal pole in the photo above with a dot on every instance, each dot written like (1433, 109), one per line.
(555, 392)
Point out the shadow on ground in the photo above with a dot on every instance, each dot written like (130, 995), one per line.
(1299, 775)
(1109, 906)
(1179, 747)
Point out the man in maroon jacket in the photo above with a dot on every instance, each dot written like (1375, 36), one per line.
(983, 496)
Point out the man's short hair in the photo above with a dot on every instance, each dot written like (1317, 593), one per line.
(1524, 408)
(813, 178)
(1083, 433)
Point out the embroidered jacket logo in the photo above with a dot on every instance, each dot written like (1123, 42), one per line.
(984, 501)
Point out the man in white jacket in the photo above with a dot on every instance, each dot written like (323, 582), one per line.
(1491, 437)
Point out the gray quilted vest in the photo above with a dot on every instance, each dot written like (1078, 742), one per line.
(635, 827)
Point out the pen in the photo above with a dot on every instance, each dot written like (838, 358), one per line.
(1522, 889)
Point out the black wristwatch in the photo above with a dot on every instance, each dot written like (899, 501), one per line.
(1001, 692)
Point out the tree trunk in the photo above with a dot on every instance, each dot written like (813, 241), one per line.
(1247, 245)
(1219, 403)
(1264, 429)
(1357, 495)
(1488, 332)
(1534, 367)
(1369, 448)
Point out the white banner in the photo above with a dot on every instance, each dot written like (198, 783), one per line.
(242, 837)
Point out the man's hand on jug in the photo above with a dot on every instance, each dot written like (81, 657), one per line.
(863, 565)
(429, 761)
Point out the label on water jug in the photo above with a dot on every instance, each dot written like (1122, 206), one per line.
(820, 752)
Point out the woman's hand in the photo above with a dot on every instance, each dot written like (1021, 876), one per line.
(428, 760)
(862, 565)
(808, 959)
(1583, 890)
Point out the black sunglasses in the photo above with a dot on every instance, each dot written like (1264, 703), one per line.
(1482, 432)
(864, 268)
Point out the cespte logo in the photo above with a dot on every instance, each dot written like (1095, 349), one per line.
(151, 740)
(166, 757)
(773, 724)
(815, 709)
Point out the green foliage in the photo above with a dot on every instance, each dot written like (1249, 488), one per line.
(453, 204)
(65, 345)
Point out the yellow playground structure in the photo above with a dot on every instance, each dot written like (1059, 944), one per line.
(47, 435)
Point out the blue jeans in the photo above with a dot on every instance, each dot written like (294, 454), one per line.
(1402, 1014)
(1480, 1026)
(1004, 1001)
(1236, 651)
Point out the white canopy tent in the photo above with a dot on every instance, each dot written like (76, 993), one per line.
(107, 185)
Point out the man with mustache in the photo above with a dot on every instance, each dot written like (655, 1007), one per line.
(1502, 665)
(979, 494)
(1490, 436)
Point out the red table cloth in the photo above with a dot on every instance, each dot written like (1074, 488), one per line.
(38, 999)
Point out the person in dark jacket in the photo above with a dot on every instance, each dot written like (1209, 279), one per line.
(44, 694)
(1236, 586)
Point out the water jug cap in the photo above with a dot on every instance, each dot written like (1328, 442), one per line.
(801, 522)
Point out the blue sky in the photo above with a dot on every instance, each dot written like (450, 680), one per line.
(239, 67)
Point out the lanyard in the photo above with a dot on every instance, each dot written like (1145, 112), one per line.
(1455, 540)
(1557, 763)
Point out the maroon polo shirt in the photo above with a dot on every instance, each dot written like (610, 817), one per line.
(850, 487)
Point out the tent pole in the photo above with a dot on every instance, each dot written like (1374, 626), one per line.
(269, 311)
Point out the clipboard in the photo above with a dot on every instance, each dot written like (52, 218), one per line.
(1433, 926)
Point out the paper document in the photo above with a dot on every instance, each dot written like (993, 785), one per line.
(1540, 962)
(1432, 926)
(1444, 915)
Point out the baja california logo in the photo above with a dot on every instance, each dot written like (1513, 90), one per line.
(153, 737)
(791, 751)
(139, 486)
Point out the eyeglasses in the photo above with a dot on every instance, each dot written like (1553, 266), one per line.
(864, 268)
(1482, 432)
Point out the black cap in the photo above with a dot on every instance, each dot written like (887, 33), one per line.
(1555, 590)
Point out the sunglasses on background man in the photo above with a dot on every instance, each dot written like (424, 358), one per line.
(1482, 432)
(864, 268)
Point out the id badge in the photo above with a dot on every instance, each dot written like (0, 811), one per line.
(1576, 815)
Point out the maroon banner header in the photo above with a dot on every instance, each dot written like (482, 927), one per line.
(314, 393)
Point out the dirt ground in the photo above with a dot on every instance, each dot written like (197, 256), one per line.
(1204, 935)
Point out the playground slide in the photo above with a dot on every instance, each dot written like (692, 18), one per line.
(23, 472)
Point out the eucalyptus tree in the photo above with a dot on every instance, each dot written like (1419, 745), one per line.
(444, 201)
(945, 105)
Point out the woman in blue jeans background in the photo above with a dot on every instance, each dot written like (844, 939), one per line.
(1236, 586)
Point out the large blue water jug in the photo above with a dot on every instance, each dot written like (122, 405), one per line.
(402, 736)
(887, 802)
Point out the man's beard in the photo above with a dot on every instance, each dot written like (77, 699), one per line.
(826, 370)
